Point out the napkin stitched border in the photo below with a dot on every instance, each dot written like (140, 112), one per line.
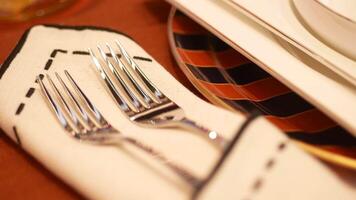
(50, 60)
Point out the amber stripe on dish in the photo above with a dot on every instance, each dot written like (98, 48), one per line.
(183, 26)
(203, 58)
(347, 151)
(230, 58)
(301, 122)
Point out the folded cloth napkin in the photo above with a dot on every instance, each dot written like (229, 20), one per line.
(264, 164)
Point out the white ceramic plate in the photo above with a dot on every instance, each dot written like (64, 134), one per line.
(279, 17)
(325, 90)
(331, 27)
(344, 8)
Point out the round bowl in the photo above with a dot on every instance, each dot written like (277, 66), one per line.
(331, 21)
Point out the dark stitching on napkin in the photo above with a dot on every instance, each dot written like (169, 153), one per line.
(82, 28)
(253, 116)
(87, 53)
(16, 136)
(41, 77)
(30, 92)
(80, 53)
(18, 48)
(23, 39)
(109, 55)
(20, 108)
(48, 64)
(14, 53)
(270, 163)
(55, 51)
(259, 182)
(142, 58)
(281, 146)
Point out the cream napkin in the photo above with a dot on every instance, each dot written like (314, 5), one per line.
(263, 165)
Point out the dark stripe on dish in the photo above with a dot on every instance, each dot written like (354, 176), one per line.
(241, 75)
(217, 44)
(276, 106)
(332, 136)
(179, 13)
(199, 42)
(191, 42)
(242, 105)
(212, 75)
(247, 106)
(247, 73)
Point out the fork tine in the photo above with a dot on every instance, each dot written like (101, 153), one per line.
(84, 119)
(132, 97)
(63, 119)
(109, 84)
(93, 113)
(67, 107)
(136, 85)
(143, 78)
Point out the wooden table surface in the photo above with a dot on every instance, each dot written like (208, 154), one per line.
(21, 176)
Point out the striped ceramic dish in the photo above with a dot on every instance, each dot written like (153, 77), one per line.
(227, 78)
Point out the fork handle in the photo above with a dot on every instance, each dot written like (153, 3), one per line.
(211, 135)
(180, 171)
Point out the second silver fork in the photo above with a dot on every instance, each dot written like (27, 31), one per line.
(140, 99)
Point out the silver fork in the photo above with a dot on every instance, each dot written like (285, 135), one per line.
(140, 99)
(82, 120)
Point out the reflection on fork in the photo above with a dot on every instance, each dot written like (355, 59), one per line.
(81, 119)
(140, 99)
